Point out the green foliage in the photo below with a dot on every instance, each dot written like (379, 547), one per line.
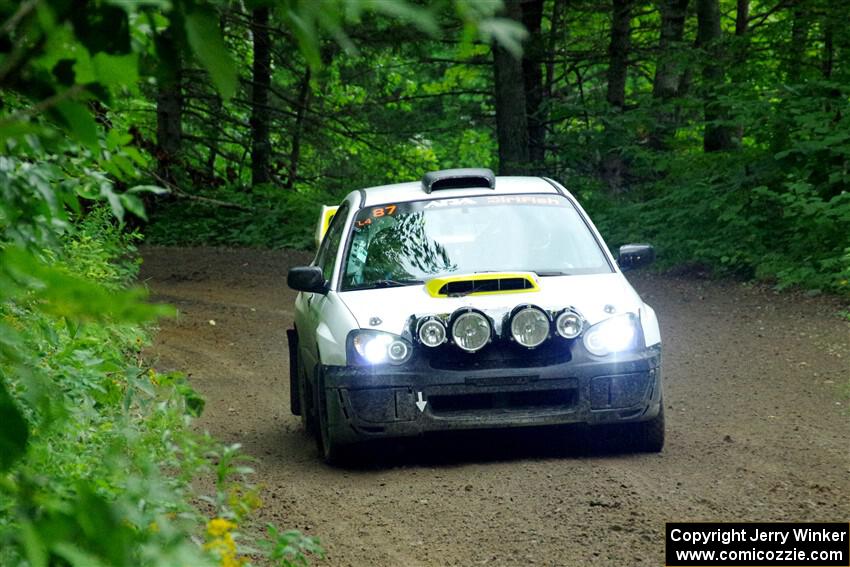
(67, 55)
(754, 213)
(89, 430)
(97, 456)
(290, 547)
(271, 218)
(15, 434)
(94, 421)
(204, 36)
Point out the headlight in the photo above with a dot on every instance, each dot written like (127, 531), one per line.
(612, 335)
(471, 330)
(374, 347)
(569, 324)
(530, 326)
(432, 332)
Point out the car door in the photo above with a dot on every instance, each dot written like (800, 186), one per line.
(309, 306)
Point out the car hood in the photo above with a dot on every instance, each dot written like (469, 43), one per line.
(596, 297)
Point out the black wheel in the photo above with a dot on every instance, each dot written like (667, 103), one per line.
(649, 435)
(331, 449)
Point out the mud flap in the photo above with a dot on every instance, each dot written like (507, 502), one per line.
(294, 397)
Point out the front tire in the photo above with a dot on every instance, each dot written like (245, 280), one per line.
(649, 435)
(332, 450)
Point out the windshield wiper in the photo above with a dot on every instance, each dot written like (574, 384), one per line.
(546, 273)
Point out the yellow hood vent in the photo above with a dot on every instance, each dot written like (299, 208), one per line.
(482, 284)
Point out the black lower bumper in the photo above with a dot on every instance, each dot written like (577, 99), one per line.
(366, 403)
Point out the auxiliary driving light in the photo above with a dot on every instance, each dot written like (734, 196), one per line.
(530, 326)
(432, 332)
(471, 331)
(615, 334)
(569, 324)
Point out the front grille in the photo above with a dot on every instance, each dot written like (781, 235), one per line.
(501, 354)
(481, 401)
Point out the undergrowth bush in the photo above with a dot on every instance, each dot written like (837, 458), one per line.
(96, 453)
(787, 234)
(273, 218)
(754, 213)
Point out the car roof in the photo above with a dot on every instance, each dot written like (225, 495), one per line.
(412, 191)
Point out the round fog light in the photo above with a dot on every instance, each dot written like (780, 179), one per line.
(432, 333)
(471, 331)
(530, 327)
(398, 351)
(569, 324)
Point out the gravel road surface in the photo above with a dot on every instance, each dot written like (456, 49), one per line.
(757, 387)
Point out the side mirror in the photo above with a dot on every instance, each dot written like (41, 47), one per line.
(307, 278)
(633, 256)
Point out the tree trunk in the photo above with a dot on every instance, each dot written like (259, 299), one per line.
(260, 144)
(612, 167)
(742, 47)
(511, 122)
(618, 52)
(169, 107)
(668, 69)
(669, 72)
(799, 41)
(300, 113)
(555, 33)
(795, 52)
(212, 127)
(532, 74)
(742, 17)
(828, 60)
(212, 133)
(830, 25)
(716, 137)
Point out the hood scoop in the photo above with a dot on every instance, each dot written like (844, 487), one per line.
(482, 284)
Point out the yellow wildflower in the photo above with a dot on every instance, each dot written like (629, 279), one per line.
(218, 527)
(222, 544)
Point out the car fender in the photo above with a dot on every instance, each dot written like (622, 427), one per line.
(335, 322)
(649, 322)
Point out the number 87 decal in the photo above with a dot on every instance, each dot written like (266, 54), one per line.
(377, 212)
(381, 211)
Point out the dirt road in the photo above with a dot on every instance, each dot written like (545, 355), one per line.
(758, 430)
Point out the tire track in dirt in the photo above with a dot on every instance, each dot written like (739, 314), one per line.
(758, 427)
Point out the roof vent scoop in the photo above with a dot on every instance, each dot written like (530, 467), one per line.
(465, 178)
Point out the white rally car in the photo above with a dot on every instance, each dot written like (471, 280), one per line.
(469, 301)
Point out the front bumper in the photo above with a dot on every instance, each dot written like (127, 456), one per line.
(365, 403)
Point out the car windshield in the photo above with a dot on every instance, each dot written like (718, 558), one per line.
(408, 243)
